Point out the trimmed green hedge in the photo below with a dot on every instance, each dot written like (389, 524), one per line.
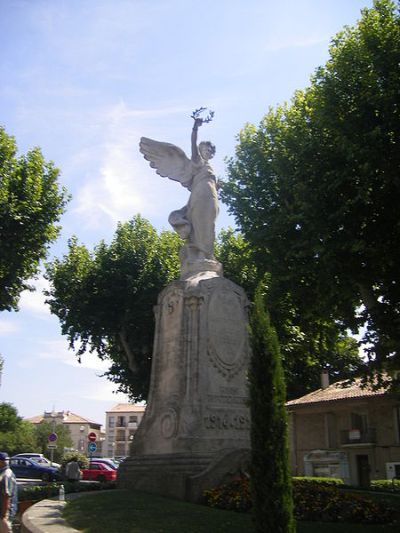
(51, 490)
(386, 485)
(321, 481)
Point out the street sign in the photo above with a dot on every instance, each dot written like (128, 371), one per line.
(92, 436)
(92, 446)
(52, 437)
(52, 446)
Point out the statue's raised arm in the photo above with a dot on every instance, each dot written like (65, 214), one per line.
(195, 222)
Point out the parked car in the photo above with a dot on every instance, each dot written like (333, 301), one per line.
(39, 458)
(106, 461)
(23, 467)
(99, 472)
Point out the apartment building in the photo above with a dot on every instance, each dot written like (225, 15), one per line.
(122, 422)
(79, 427)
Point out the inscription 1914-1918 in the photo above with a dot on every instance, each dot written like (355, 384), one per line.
(226, 420)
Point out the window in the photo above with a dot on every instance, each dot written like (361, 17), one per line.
(133, 418)
(121, 421)
(359, 421)
(111, 422)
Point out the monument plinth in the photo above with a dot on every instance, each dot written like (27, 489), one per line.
(195, 432)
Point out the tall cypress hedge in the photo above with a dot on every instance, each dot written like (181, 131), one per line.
(270, 476)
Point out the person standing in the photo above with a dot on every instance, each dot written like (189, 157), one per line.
(72, 471)
(8, 494)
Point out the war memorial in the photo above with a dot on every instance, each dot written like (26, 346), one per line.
(195, 433)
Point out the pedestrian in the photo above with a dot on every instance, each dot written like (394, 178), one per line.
(8, 494)
(72, 471)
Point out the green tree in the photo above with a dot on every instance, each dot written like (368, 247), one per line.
(306, 347)
(315, 189)
(104, 298)
(16, 435)
(9, 419)
(64, 440)
(31, 203)
(236, 256)
(270, 476)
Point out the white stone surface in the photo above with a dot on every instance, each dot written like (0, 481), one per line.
(198, 392)
(195, 222)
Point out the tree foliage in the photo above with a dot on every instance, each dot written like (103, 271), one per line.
(270, 475)
(64, 440)
(104, 298)
(315, 189)
(9, 419)
(31, 203)
(16, 435)
(306, 347)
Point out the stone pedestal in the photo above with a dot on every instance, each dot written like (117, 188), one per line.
(195, 432)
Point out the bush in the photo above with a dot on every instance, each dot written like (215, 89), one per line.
(320, 481)
(315, 499)
(315, 502)
(386, 485)
(233, 496)
(82, 460)
(51, 490)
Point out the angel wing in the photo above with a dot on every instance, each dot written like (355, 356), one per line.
(168, 160)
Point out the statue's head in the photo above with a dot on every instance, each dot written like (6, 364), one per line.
(207, 150)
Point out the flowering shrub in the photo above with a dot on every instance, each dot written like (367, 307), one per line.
(328, 504)
(234, 495)
(314, 500)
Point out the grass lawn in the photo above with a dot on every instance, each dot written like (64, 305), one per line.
(138, 512)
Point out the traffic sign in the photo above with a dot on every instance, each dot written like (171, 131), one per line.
(53, 437)
(92, 436)
(92, 446)
(52, 446)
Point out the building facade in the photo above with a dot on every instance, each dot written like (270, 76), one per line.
(79, 428)
(347, 431)
(122, 422)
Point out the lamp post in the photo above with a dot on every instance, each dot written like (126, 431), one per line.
(53, 428)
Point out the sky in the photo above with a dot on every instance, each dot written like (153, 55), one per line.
(84, 80)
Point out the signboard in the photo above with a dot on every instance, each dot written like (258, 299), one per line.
(52, 446)
(92, 436)
(354, 434)
(52, 437)
(92, 447)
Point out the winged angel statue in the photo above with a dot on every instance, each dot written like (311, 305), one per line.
(195, 222)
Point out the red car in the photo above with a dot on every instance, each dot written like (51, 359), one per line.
(99, 472)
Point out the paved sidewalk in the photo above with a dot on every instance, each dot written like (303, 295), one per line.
(45, 517)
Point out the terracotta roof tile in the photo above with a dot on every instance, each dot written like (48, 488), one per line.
(341, 390)
(127, 407)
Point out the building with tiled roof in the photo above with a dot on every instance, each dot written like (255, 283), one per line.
(79, 427)
(122, 422)
(346, 430)
(343, 390)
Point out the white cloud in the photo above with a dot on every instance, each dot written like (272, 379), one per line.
(105, 391)
(120, 187)
(35, 301)
(302, 42)
(7, 327)
(57, 350)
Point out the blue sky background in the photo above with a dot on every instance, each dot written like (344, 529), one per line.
(84, 80)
